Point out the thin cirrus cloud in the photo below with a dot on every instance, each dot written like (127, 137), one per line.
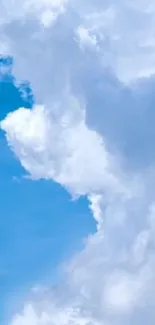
(92, 131)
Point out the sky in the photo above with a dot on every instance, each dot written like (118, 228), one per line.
(34, 238)
(77, 162)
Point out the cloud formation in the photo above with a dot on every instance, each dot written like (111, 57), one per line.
(92, 131)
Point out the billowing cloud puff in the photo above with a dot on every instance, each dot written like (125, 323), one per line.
(79, 51)
(127, 48)
(59, 146)
(92, 131)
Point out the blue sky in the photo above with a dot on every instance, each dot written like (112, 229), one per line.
(78, 118)
(40, 224)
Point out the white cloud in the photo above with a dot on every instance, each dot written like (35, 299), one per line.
(60, 148)
(127, 48)
(85, 38)
(104, 285)
(111, 281)
(21, 9)
(94, 73)
(112, 278)
(53, 317)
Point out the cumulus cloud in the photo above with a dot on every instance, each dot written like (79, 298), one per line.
(89, 132)
(93, 64)
(59, 146)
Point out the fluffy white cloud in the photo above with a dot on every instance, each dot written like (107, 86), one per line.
(111, 280)
(126, 48)
(83, 116)
(54, 316)
(93, 65)
(106, 283)
(59, 146)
